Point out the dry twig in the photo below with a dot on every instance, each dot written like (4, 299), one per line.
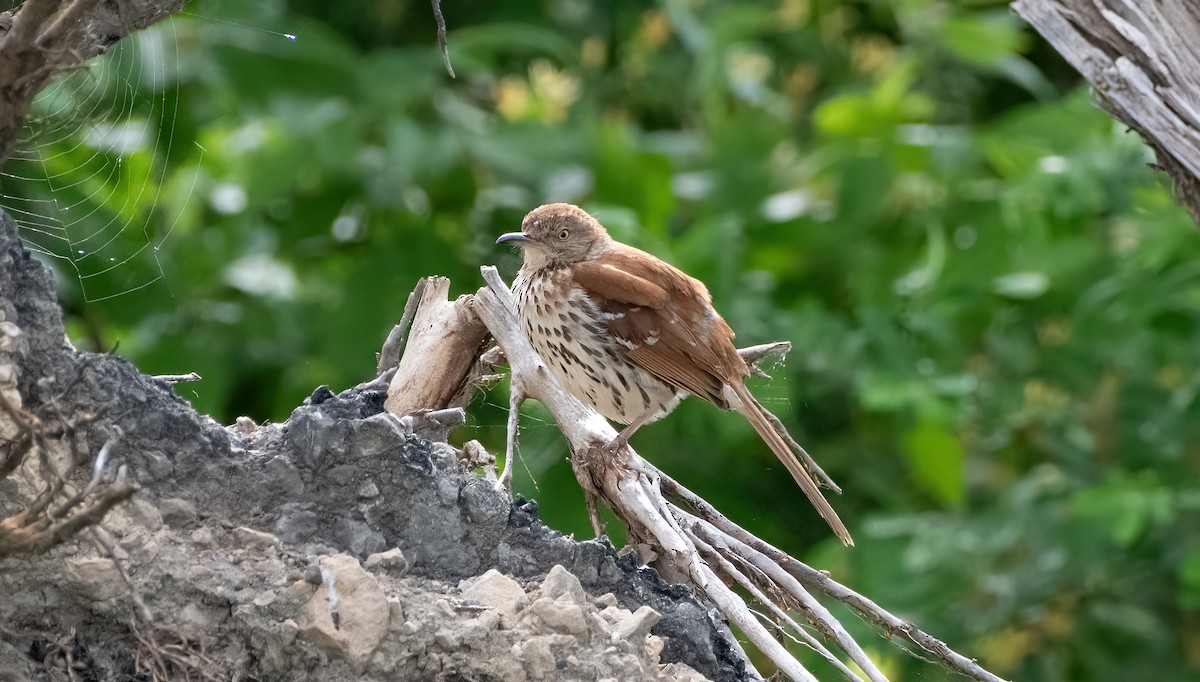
(441, 35)
(37, 527)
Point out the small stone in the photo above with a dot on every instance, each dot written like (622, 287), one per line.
(395, 613)
(560, 616)
(446, 639)
(200, 618)
(606, 599)
(654, 646)
(203, 537)
(244, 426)
(508, 669)
(298, 591)
(255, 539)
(391, 561)
(283, 476)
(158, 464)
(95, 578)
(490, 619)
(445, 607)
(375, 436)
(358, 537)
(362, 610)
(368, 490)
(142, 513)
(473, 632)
(561, 585)
(177, 513)
(538, 658)
(636, 625)
(312, 574)
(497, 591)
(682, 672)
(265, 599)
(615, 614)
(288, 631)
(297, 523)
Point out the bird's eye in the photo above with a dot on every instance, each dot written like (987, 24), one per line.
(564, 234)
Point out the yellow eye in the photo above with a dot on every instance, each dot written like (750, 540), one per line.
(564, 234)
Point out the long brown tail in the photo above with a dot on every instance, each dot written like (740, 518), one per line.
(759, 418)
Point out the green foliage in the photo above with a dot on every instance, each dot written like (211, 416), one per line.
(993, 299)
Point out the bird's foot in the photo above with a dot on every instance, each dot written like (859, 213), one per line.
(614, 447)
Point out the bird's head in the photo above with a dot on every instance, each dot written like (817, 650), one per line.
(558, 234)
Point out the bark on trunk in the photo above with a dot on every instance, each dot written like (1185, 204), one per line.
(1142, 58)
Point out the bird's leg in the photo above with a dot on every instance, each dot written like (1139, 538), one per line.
(516, 395)
(617, 444)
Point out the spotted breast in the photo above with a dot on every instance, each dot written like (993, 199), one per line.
(568, 329)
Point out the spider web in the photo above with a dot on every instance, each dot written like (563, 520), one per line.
(87, 179)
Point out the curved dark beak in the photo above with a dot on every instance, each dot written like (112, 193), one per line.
(518, 238)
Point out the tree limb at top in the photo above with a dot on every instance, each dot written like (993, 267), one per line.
(43, 38)
(1142, 59)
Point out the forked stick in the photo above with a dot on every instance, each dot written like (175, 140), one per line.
(697, 544)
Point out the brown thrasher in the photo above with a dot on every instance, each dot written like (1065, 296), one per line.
(631, 335)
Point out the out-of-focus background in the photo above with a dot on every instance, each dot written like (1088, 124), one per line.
(993, 299)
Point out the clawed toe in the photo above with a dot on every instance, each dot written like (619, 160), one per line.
(613, 447)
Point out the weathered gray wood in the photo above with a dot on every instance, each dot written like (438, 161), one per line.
(440, 367)
(1142, 58)
(691, 541)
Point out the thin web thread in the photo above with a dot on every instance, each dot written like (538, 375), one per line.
(90, 181)
(86, 183)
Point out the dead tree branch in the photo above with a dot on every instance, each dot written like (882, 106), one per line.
(38, 527)
(694, 544)
(1142, 62)
(47, 37)
(440, 367)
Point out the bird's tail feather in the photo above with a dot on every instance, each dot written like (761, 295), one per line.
(761, 420)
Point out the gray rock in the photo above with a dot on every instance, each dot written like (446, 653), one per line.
(496, 590)
(361, 611)
(176, 512)
(255, 539)
(559, 616)
(561, 585)
(358, 537)
(391, 561)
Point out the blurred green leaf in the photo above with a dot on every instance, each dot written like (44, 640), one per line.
(936, 458)
(1126, 507)
(984, 38)
(1022, 285)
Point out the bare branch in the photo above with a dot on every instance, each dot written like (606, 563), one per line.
(754, 355)
(178, 378)
(441, 35)
(699, 547)
(48, 37)
(1135, 55)
(393, 345)
(812, 578)
(35, 528)
(440, 365)
(65, 20)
